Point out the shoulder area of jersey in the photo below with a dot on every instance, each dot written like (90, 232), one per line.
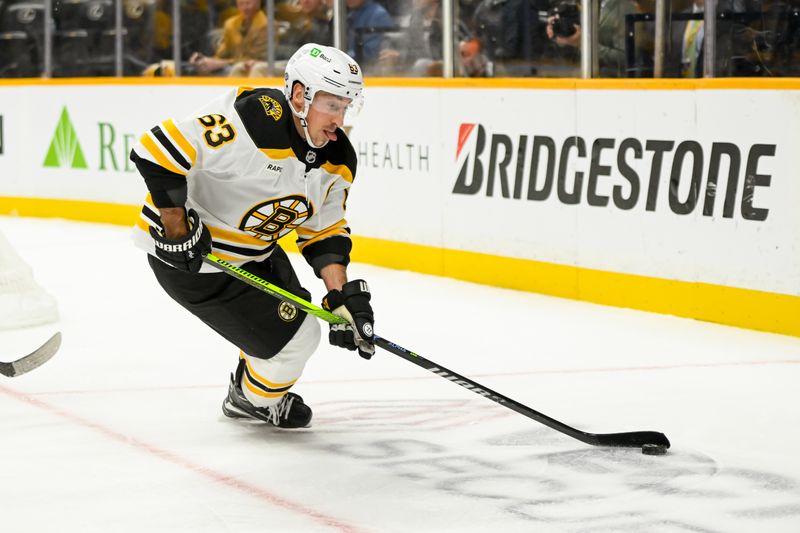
(270, 101)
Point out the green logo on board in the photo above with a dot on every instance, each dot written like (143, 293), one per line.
(65, 149)
(315, 52)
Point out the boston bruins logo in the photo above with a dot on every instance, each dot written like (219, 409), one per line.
(272, 219)
(287, 312)
(271, 107)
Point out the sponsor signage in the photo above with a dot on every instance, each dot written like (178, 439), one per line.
(680, 176)
(399, 156)
(65, 148)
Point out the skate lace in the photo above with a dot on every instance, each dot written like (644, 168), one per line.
(281, 410)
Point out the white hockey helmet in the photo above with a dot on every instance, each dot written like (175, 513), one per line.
(323, 68)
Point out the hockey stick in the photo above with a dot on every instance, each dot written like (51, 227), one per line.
(633, 439)
(34, 359)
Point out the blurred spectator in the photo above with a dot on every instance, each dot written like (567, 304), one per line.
(684, 56)
(611, 31)
(419, 51)
(243, 46)
(507, 38)
(474, 63)
(366, 14)
(197, 18)
(685, 45)
(310, 21)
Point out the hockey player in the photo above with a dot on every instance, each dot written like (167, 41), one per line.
(235, 177)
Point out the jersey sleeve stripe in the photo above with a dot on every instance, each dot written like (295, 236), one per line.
(305, 232)
(185, 145)
(159, 156)
(340, 170)
(158, 133)
(150, 213)
(306, 238)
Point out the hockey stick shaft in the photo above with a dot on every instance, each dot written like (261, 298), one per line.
(627, 439)
(33, 360)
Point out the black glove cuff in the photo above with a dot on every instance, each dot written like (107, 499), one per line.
(357, 287)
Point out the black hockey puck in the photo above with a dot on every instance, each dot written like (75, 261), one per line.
(654, 449)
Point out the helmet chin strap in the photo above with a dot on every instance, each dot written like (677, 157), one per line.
(304, 123)
(308, 137)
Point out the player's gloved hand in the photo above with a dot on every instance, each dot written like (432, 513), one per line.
(187, 252)
(352, 304)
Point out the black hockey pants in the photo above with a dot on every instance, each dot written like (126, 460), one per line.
(259, 324)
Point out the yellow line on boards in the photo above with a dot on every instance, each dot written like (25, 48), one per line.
(758, 310)
(83, 210)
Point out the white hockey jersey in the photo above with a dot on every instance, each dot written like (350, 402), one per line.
(241, 164)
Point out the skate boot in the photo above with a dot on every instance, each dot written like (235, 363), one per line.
(289, 412)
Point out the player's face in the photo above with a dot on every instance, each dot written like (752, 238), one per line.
(325, 114)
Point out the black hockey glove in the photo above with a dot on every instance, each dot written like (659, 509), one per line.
(352, 303)
(187, 252)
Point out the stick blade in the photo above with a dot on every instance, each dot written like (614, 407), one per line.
(633, 439)
(34, 359)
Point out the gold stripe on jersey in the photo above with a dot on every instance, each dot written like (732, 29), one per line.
(278, 153)
(144, 221)
(221, 234)
(185, 145)
(224, 242)
(339, 170)
(143, 225)
(308, 236)
(159, 155)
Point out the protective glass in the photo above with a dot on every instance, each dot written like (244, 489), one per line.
(333, 105)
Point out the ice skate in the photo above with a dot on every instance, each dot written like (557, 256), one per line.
(289, 412)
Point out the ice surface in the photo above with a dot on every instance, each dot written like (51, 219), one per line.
(122, 430)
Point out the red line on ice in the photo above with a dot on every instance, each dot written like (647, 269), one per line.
(230, 481)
